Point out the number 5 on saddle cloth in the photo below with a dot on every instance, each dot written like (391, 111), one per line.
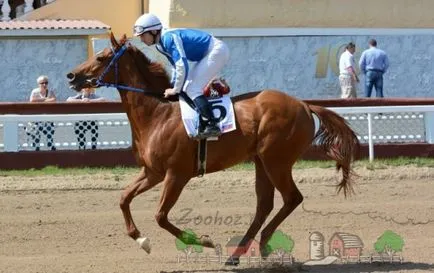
(221, 105)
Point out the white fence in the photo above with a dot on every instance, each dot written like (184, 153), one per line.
(390, 124)
(373, 125)
(249, 260)
(283, 260)
(20, 10)
(373, 259)
(112, 131)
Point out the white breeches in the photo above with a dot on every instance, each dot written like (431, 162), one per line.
(207, 68)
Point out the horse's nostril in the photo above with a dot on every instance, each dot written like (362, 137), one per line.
(70, 76)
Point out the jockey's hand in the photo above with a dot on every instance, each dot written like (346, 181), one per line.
(169, 92)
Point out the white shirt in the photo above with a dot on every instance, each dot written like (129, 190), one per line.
(346, 61)
(36, 93)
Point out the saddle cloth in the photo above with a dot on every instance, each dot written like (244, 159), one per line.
(222, 108)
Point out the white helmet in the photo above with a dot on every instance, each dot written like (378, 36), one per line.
(145, 23)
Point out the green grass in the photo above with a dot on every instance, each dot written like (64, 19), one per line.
(247, 166)
(376, 164)
(56, 171)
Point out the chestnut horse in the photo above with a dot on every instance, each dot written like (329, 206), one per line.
(273, 130)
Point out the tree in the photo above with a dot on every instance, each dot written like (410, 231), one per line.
(389, 243)
(280, 243)
(188, 243)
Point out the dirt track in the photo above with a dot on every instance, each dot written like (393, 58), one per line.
(74, 224)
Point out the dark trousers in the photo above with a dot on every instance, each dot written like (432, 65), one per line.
(34, 131)
(374, 78)
(81, 128)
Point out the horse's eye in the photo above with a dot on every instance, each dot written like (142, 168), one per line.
(100, 59)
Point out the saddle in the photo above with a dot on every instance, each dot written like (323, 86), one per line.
(216, 88)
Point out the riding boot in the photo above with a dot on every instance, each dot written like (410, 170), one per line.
(211, 128)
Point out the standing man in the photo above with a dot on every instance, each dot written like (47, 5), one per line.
(373, 64)
(347, 72)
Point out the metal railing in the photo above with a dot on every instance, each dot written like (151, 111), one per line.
(391, 124)
(379, 124)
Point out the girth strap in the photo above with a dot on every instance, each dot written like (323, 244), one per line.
(201, 152)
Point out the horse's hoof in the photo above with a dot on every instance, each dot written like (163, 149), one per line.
(206, 241)
(144, 243)
(233, 261)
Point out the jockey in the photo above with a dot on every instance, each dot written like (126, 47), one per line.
(182, 46)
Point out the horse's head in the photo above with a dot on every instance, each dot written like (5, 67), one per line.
(87, 73)
(122, 66)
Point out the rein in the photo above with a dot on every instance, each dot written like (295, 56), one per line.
(114, 61)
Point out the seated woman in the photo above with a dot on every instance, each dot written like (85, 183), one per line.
(34, 129)
(83, 126)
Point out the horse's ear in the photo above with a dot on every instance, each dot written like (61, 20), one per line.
(123, 40)
(113, 41)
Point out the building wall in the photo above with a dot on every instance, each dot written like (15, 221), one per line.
(303, 64)
(261, 13)
(49, 56)
(352, 252)
(119, 15)
(306, 65)
(296, 13)
(336, 243)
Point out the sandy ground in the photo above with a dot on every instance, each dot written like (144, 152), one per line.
(74, 224)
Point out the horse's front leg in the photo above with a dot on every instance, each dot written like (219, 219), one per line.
(173, 186)
(142, 183)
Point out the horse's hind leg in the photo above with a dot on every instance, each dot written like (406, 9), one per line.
(282, 179)
(141, 184)
(264, 196)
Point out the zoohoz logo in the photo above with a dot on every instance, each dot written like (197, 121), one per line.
(188, 217)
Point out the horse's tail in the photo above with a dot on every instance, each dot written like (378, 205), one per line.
(339, 142)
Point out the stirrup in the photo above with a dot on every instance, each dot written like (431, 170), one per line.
(209, 131)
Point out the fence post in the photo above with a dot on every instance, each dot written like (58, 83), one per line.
(370, 140)
(10, 136)
(429, 127)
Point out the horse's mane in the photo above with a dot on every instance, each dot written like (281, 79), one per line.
(150, 71)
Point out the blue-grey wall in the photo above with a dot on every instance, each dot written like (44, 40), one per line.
(307, 66)
(23, 60)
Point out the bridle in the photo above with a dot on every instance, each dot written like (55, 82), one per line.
(114, 62)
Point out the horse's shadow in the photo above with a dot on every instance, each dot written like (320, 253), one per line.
(341, 268)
